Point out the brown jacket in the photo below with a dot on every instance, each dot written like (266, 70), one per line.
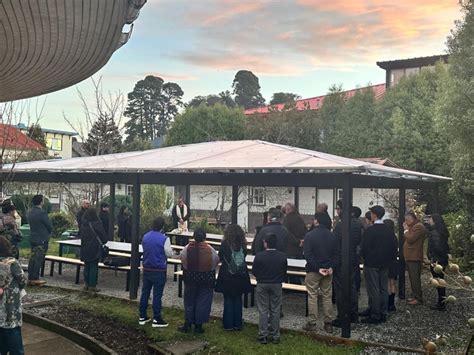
(413, 245)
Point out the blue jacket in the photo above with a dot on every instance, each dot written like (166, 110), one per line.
(40, 225)
(320, 249)
(154, 257)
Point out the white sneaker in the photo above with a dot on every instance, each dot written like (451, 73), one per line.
(160, 323)
(143, 321)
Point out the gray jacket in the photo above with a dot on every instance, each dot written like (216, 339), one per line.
(40, 225)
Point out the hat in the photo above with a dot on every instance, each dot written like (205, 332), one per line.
(377, 210)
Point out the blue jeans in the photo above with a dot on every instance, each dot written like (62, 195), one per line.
(11, 341)
(155, 280)
(232, 317)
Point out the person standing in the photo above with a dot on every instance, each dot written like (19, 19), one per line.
(41, 228)
(156, 250)
(92, 237)
(414, 232)
(392, 272)
(12, 285)
(379, 249)
(199, 275)
(85, 204)
(181, 214)
(233, 279)
(104, 217)
(320, 249)
(438, 250)
(124, 222)
(274, 226)
(9, 226)
(269, 268)
(323, 207)
(297, 228)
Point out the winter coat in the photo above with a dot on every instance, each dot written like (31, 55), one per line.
(282, 234)
(297, 228)
(232, 285)
(413, 244)
(438, 247)
(355, 238)
(90, 246)
(124, 227)
(40, 225)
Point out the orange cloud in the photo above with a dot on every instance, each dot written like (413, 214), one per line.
(235, 9)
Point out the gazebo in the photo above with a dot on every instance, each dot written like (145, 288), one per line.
(232, 163)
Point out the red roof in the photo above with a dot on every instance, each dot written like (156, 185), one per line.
(13, 138)
(315, 103)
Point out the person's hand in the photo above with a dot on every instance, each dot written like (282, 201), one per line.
(405, 225)
(181, 220)
(301, 243)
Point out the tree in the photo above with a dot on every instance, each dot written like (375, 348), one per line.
(104, 137)
(284, 98)
(206, 124)
(35, 132)
(151, 106)
(247, 90)
(332, 107)
(154, 202)
(224, 98)
(136, 145)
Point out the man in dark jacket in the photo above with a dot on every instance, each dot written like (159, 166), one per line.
(274, 226)
(354, 242)
(41, 228)
(379, 249)
(104, 217)
(320, 249)
(297, 228)
(85, 204)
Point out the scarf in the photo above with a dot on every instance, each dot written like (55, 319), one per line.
(184, 225)
(199, 270)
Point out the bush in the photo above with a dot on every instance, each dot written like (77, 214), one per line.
(61, 222)
(204, 225)
(23, 204)
(120, 200)
(154, 202)
(460, 236)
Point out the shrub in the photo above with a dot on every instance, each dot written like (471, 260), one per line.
(61, 222)
(154, 202)
(120, 200)
(23, 204)
(460, 235)
(204, 225)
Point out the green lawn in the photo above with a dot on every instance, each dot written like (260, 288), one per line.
(53, 249)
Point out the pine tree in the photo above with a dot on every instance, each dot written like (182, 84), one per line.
(104, 137)
(35, 132)
(247, 89)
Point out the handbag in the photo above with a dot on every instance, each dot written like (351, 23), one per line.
(104, 249)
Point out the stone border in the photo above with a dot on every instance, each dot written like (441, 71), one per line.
(77, 337)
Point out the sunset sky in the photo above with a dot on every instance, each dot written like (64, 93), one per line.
(300, 46)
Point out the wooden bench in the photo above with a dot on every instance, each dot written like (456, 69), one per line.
(78, 263)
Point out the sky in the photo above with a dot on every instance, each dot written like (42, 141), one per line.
(299, 46)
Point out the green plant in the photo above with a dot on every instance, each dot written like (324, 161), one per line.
(61, 222)
(460, 235)
(154, 202)
(23, 204)
(204, 224)
(120, 200)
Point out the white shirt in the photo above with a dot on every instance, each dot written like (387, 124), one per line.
(378, 221)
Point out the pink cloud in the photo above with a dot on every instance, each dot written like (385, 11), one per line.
(232, 10)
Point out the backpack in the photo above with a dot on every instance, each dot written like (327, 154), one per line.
(5, 274)
(237, 265)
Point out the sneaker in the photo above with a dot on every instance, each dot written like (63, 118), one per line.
(328, 327)
(143, 321)
(159, 323)
(262, 340)
(36, 282)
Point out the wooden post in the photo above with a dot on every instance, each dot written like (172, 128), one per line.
(235, 204)
(401, 239)
(187, 196)
(112, 212)
(297, 198)
(135, 261)
(345, 256)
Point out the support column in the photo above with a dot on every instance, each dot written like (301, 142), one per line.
(187, 196)
(297, 198)
(112, 212)
(345, 256)
(435, 208)
(235, 204)
(401, 239)
(135, 261)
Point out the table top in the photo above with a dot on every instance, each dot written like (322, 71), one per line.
(115, 246)
(209, 236)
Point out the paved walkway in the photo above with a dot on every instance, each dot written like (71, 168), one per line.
(39, 341)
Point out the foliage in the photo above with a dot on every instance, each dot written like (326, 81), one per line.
(35, 132)
(224, 98)
(104, 137)
(136, 145)
(284, 98)
(151, 106)
(207, 124)
(460, 236)
(120, 200)
(247, 89)
(331, 109)
(61, 222)
(204, 225)
(23, 204)
(155, 201)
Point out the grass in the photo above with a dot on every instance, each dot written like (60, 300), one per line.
(220, 341)
(53, 249)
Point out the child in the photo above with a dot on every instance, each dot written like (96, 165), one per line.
(269, 268)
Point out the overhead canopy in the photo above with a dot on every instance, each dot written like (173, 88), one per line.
(229, 158)
(49, 45)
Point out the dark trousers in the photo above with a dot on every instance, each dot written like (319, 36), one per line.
(91, 273)
(337, 283)
(377, 291)
(269, 298)
(38, 251)
(155, 280)
(11, 341)
(414, 272)
(441, 290)
(197, 304)
(232, 317)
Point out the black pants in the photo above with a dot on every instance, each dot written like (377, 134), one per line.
(441, 290)
(337, 279)
(376, 280)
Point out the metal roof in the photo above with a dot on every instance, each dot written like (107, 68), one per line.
(413, 62)
(246, 156)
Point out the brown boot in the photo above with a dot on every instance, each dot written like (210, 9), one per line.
(36, 282)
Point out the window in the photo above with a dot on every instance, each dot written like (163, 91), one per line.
(129, 190)
(258, 196)
(54, 144)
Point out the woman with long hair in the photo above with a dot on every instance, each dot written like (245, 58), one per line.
(392, 273)
(233, 279)
(438, 250)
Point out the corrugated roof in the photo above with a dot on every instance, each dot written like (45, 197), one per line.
(12, 138)
(228, 156)
(315, 103)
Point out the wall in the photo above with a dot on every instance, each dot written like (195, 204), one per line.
(66, 145)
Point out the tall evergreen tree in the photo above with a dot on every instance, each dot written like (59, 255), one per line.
(284, 98)
(103, 138)
(247, 90)
(151, 106)
(35, 132)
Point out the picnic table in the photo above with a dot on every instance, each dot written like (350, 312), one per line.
(183, 237)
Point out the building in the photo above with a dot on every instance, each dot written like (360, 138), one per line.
(399, 68)
(15, 145)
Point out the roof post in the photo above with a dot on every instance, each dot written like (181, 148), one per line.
(111, 211)
(345, 255)
(297, 198)
(135, 261)
(235, 204)
(401, 239)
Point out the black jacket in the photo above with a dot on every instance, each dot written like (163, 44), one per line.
(354, 242)
(379, 246)
(283, 235)
(90, 246)
(320, 249)
(79, 215)
(233, 285)
(270, 266)
(297, 228)
(105, 219)
(124, 227)
(40, 225)
(438, 247)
